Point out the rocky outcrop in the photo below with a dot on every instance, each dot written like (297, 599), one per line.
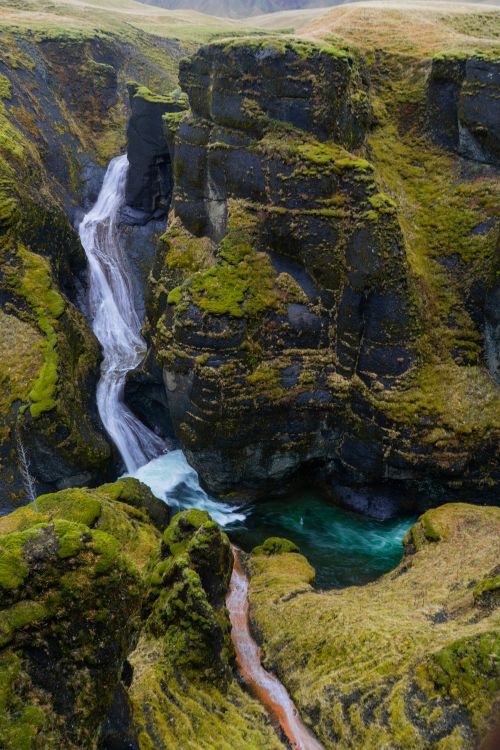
(409, 660)
(183, 691)
(71, 586)
(62, 116)
(492, 319)
(149, 179)
(285, 313)
(113, 628)
(464, 105)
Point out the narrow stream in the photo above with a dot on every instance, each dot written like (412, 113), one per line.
(117, 328)
(265, 686)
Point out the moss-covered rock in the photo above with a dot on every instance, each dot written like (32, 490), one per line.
(183, 691)
(73, 573)
(127, 510)
(410, 660)
(275, 546)
(314, 306)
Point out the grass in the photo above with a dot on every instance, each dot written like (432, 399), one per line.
(410, 28)
(100, 17)
(35, 285)
(366, 652)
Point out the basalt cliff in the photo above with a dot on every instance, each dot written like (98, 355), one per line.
(323, 299)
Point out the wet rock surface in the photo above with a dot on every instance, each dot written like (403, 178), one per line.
(63, 109)
(149, 179)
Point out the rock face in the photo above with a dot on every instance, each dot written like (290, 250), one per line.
(463, 99)
(285, 314)
(149, 180)
(62, 117)
(183, 692)
(492, 320)
(409, 660)
(114, 636)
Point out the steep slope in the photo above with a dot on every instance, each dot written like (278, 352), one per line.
(63, 109)
(113, 629)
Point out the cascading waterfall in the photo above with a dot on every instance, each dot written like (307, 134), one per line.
(115, 321)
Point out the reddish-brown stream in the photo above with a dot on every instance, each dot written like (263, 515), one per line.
(265, 686)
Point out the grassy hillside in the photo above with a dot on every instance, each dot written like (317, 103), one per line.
(126, 18)
(409, 661)
(241, 8)
(414, 27)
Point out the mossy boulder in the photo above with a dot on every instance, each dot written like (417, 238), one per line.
(72, 580)
(127, 510)
(410, 660)
(275, 546)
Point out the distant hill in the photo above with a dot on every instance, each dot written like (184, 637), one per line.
(241, 8)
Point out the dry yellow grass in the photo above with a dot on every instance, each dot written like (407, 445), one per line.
(113, 15)
(412, 27)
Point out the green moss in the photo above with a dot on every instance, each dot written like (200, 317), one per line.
(181, 528)
(37, 288)
(18, 616)
(432, 533)
(487, 585)
(411, 661)
(241, 284)
(70, 538)
(183, 691)
(125, 510)
(19, 723)
(13, 566)
(275, 546)
(174, 296)
(467, 672)
(80, 506)
(5, 87)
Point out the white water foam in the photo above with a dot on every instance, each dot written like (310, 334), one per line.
(174, 481)
(114, 320)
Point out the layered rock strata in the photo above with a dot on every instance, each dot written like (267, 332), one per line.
(287, 317)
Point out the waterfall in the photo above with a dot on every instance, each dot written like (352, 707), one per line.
(115, 321)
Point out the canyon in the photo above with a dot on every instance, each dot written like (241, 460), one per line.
(249, 291)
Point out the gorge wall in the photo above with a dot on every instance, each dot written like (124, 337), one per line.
(291, 314)
(63, 111)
